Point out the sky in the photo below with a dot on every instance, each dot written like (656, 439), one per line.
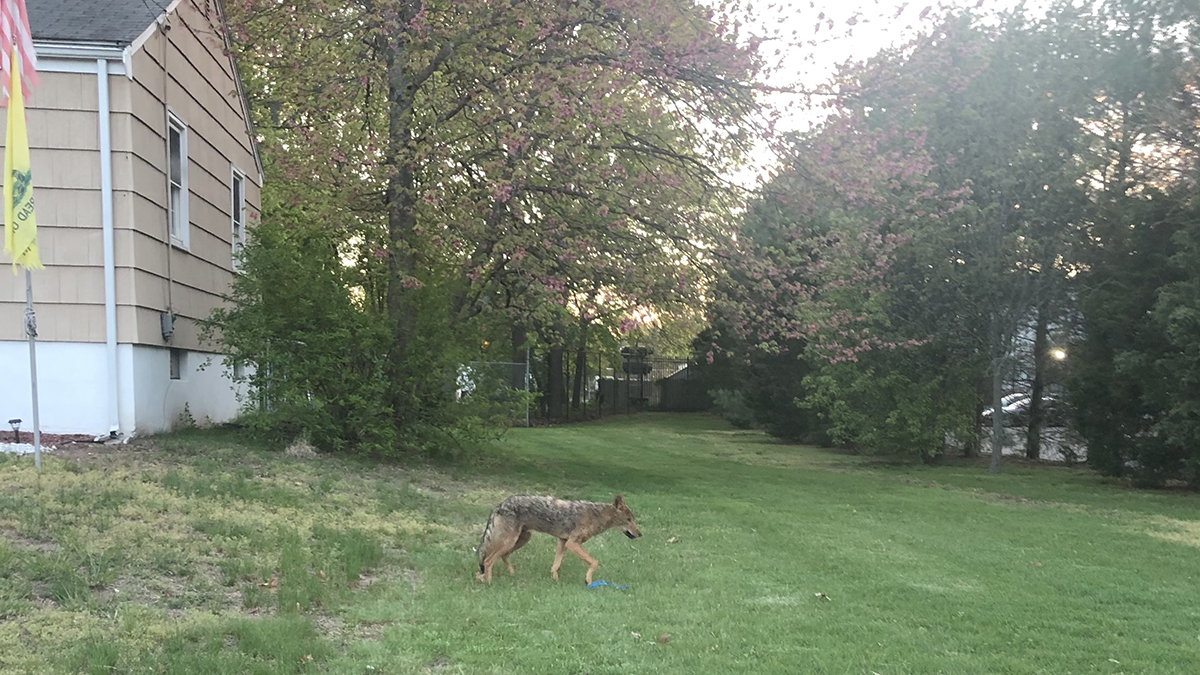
(861, 28)
(876, 24)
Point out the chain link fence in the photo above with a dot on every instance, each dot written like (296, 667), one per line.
(499, 382)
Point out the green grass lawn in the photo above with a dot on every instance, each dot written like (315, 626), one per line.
(201, 554)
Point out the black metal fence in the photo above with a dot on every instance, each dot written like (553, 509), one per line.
(588, 384)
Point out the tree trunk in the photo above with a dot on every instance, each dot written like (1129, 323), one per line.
(401, 216)
(580, 366)
(1125, 151)
(519, 355)
(580, 370)
(972, 447)
(997, 414)
(1033, 436)
(556, 387)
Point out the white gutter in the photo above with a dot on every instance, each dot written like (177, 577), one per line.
(77, 50)
(106, 217)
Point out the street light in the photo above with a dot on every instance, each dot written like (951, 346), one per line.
(1059, 354)
(16, 427)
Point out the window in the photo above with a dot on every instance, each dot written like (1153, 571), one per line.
(177, 364)
(237, 190)
(177, 200)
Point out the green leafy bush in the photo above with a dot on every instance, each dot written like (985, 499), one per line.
(732, 405)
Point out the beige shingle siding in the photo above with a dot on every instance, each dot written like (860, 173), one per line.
(203, 94)
(69, 293)
(63, 123)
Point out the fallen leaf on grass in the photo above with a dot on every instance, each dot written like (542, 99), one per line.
(636, 635)
(673, 540)
(1115, 661)
(1037, 564)
(821, 596)
(272, 584)
(663, 639)
(307, 658)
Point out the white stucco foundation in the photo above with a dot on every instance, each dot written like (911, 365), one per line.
(71, 386)
(151, 401)
(73, 394)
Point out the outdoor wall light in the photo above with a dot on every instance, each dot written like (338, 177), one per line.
(16, 427)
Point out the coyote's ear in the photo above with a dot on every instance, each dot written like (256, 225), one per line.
(619, 501)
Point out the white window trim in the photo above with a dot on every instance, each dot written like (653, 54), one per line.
(182, 241)
(236, 243)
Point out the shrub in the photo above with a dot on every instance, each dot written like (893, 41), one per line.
(316, 346)
(732, 405)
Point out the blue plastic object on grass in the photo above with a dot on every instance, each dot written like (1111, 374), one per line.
(598, 584)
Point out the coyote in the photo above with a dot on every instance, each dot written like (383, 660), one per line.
(573, 523)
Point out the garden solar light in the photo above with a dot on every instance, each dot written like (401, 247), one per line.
(16, 427)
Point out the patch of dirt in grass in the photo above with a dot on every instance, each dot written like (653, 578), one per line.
(21, 541)
(439, 664)
(300, 448)
(335, 629)
(90, 452)
(40, 596)
(412, 577)
(234, 598)
(386, 573)
(368, 579)
(330, 627)
(171, 595)
(370, 630)
(1185, 532)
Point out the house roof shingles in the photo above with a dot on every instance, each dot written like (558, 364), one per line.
(117, 22)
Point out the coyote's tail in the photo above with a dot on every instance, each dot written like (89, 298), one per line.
(485, 541)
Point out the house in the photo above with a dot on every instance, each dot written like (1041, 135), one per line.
(145, 176)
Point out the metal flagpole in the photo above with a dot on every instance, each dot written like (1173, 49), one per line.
(31, 332)
(20, 63)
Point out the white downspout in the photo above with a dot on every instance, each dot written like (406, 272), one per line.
(106, 216)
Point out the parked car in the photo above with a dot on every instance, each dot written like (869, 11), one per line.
(1016, 410)
(1007, 404)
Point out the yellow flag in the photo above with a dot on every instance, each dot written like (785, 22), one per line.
(20, 228)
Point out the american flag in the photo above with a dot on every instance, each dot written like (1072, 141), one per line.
(14, 29)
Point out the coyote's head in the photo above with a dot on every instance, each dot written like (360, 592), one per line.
(624, 519)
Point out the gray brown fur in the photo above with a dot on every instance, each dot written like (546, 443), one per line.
(572, 523)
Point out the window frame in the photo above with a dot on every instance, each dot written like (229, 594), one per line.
(181, 236)
(177, 364)
(237, 215)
